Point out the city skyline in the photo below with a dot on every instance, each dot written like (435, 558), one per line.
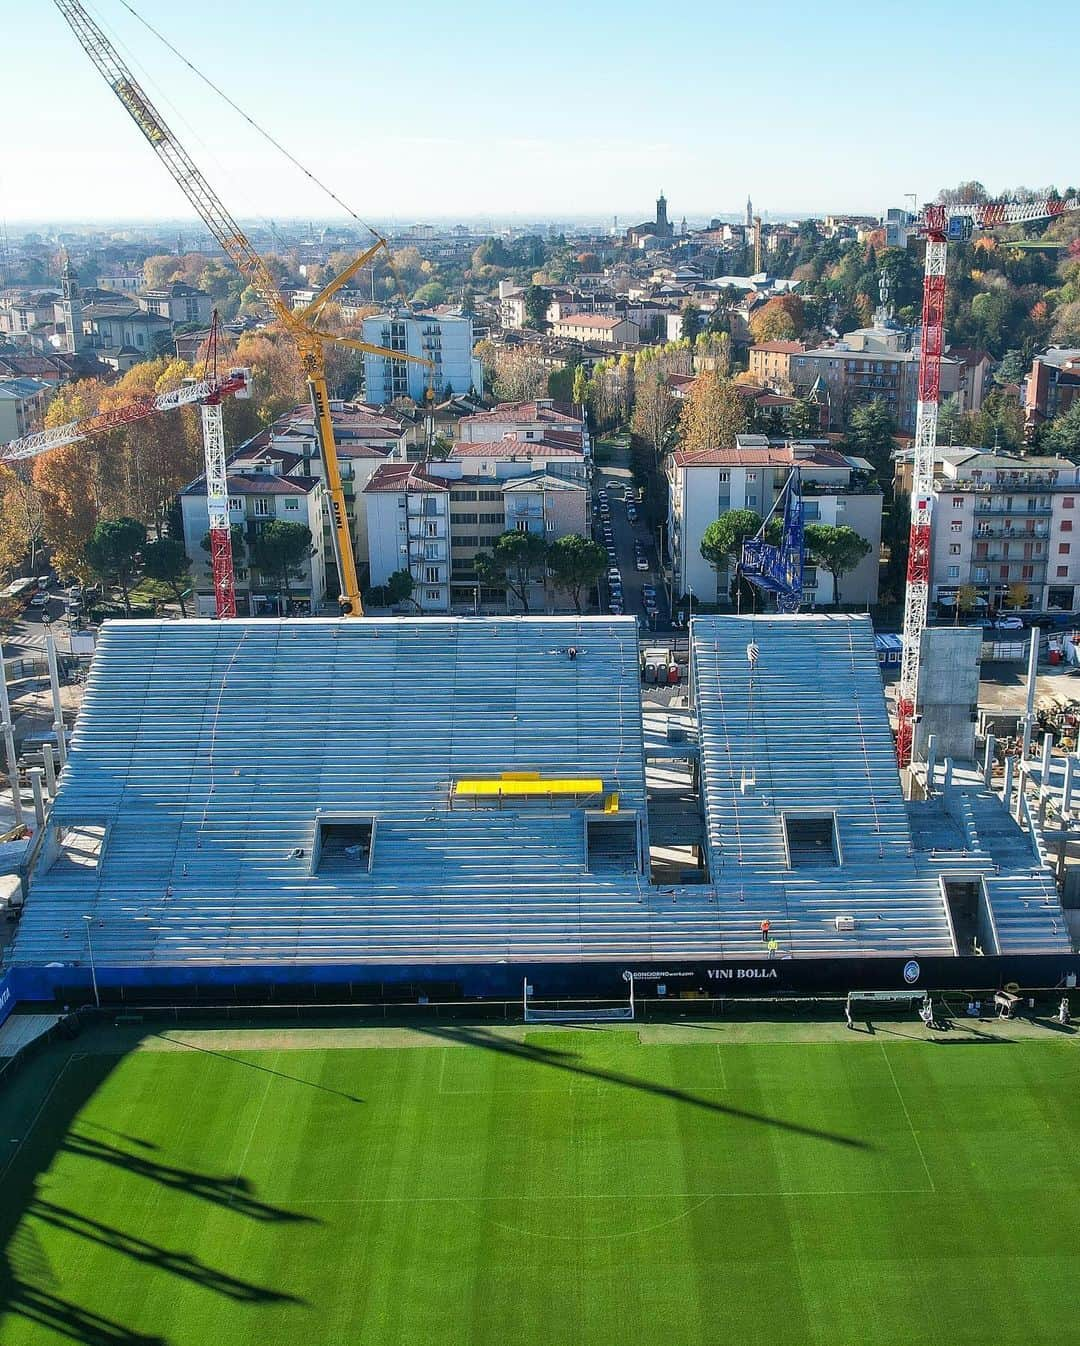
(494, 128)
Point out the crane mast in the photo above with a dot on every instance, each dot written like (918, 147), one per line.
(301, 325)
(940, 225)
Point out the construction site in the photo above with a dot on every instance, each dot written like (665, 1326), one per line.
(424, 808)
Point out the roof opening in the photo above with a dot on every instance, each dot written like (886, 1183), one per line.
(811, 840)
(75, 845)
(612, 842)
(343, 844)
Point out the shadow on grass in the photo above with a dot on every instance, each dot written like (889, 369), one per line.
(252, 1065)
(571, 1062)
(42, 1106)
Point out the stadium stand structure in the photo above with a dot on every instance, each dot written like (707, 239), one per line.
(284, 794)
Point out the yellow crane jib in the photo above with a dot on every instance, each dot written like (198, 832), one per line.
(300, 325)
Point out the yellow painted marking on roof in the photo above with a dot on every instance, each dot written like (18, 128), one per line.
(531, 785)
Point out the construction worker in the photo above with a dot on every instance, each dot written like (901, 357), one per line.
(765, 931)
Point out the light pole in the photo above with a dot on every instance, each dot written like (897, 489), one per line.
(93, 970)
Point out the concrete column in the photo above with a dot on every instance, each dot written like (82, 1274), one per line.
(9, 744)
(1067, 788)
(1020, 788)
(50, 770)
(988, 760)
(1044, 778)
(931, 763)
(58, 710)
(1032, 673)
(39, 799)
(947, 783)
(1007, 786)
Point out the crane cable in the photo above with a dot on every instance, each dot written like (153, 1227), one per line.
(276, 144)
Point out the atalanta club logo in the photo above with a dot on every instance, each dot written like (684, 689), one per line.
(911, 972)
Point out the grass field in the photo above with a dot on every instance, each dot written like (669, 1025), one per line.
(564, 1188)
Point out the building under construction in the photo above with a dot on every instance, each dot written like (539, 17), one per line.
(408, 807)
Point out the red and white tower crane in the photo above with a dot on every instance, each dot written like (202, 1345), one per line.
(940, 225)
(209, 391)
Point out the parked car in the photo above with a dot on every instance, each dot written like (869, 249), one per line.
(642, 562)
(1009, 624)
(40, 599)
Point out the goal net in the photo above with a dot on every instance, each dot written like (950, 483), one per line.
(536, 1013)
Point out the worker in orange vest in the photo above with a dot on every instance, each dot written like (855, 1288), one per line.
(765, 931)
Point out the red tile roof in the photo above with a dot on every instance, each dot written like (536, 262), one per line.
(774, 455)
(555, 444)
(779, 347)
(526, 412)
(600, 320)
(409, 477)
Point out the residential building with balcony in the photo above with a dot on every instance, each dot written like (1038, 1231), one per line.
(408, 524)
(447, 341)
(770, 361)
(837, 489)
(600, 328)
(261, 489)
(851, 377)
(529, 421)
(1007, 526)
(179, 302)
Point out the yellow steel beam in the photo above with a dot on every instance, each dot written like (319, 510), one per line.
(507, 787)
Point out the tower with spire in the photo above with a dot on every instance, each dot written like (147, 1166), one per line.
(72, 305)
(663, 225)
(749, 213)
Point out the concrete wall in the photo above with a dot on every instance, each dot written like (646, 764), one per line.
(948, 691)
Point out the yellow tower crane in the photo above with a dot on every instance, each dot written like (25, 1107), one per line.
(301, 325)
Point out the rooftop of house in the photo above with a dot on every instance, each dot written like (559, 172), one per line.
(758, 451)
(500, 809)
(540, 481)
(412, 478)
(23, 389)
(605, 322)
(552, 445)
(1061, 357)
(778, 347)
(258, 483)
(126, 312)
(542, 410)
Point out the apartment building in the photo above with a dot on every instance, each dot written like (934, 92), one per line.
(1052, 386)
(22, 406)
(1007, 526)
(851, 377)
(433, 519)
(837, 489)
(444, 340)
(603, 329)
(529, 421)
(770, 361)
(261, 489)
(178, 302)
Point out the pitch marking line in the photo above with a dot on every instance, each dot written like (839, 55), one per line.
(911, 1128)
(37, 1115)
(251, 1137)
(700, 1197)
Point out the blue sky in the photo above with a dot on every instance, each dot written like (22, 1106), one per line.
(480, 109)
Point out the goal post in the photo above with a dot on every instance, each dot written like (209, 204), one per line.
(586, 1013)
(896, 1000)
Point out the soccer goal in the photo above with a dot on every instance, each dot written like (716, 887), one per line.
(534, 1014)
(895, 1000)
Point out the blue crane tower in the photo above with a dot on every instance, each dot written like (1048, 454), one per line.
(777, 567)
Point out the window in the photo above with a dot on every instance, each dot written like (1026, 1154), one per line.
(958, 502)
(432, 529)
(401, 502)
(234, 503)
(432, 575)
(523, 525)
(490, 495)
(954, 548)
(262, 506)
(1003, 572)
(292, 505)
(1067, 503)
(1062, 571)
(723, 477)
(429, 505)
(957, 526)
(240, 573)
(1027, 572)
(491, 518)
(751, 476)
(1064, 548)
(431, 551)
(465, 518)
(466, 496)
(954, 572)
(549, 525)
(810, 577)
(1066, 525)
(344, 844)
(811, 841)
(433, 595)
(841, 505)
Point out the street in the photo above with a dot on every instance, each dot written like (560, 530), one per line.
(616, 479)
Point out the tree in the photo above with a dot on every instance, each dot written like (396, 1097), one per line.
(576, 563)
(655, 410)
(236, 536)
(1012, 368)
(536, 307)
(804, 419)
(967, 596)
(519, 376)
(870, 432)
(581, 386)
(397, 589)
(1018, 596)
(712, 415)
(279, 551)
(721, 543)
(691, 321)
(22, 517)
(1062, 435)
(781, 319)
(166, 561)
(111, 552)
(837, 548)
(512, 563)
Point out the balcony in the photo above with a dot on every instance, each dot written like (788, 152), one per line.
(1016, 508)
(1000, 530)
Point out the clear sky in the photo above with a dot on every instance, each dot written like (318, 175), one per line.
(416, 110)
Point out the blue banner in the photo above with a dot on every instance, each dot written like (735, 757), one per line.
(7, 997)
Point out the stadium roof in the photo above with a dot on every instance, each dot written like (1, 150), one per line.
(463, 790)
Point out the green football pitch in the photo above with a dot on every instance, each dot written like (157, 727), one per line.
(564, 1187)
